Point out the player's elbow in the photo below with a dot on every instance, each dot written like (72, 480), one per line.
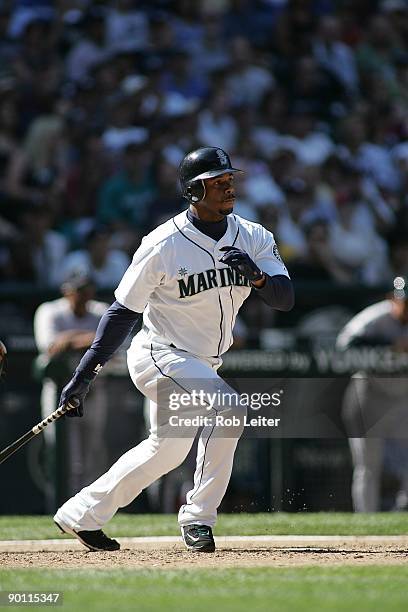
(278, 293)
(288, 305)
(288, 298)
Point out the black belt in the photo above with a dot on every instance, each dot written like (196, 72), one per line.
(144, 328)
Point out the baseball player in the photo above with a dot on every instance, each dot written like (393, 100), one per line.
(189, 277)
(62, 328)
(374, 406)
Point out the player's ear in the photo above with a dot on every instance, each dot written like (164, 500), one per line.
(189, 194)
(196, 191)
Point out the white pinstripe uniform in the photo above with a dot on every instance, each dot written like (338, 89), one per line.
(189, 301)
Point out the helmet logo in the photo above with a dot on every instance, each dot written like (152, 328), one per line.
(222, 156)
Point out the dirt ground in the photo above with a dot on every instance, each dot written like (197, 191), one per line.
(167, 555)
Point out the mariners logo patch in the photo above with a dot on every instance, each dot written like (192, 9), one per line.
(276, 253)
(222, 157)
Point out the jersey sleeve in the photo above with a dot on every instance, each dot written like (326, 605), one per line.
(145, 273)
(267, 256)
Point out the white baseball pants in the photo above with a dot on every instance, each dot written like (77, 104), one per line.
(164, 449)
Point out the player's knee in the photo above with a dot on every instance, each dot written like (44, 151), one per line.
(239, 411)
(175, 457)
(174, 449)
(230, 423)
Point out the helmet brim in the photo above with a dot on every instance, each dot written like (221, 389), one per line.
(214, 173)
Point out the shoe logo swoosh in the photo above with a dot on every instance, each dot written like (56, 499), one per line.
(193, 538)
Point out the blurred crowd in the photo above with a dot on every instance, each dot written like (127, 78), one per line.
(99, 102)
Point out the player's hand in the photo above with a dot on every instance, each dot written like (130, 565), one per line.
(77, 388)
(242, 263)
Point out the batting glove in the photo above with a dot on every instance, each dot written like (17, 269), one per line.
(241, 262)
(77, 388)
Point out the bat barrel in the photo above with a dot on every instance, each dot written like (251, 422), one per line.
(9, 450)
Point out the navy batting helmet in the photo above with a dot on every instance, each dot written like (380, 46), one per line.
(201, 164)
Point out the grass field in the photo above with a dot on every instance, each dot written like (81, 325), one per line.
(281, 589)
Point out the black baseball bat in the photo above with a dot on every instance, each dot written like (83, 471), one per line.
(54, 416)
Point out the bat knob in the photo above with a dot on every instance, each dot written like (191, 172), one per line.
(73, 403)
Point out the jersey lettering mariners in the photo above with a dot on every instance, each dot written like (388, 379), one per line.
(188, 297)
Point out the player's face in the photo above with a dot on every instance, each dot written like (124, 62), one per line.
(219, 198)
(78, 298)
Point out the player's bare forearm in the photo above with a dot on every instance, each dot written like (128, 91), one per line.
(61, 343)
(260, 283)
(71, 340)
(82, 340)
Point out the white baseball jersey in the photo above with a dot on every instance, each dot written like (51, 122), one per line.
(189, 298)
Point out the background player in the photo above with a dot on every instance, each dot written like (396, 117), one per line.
(375, 406)
(189, 277)
(63, 329)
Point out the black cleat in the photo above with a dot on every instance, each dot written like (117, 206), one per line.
(198, 538)
(94, 540)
